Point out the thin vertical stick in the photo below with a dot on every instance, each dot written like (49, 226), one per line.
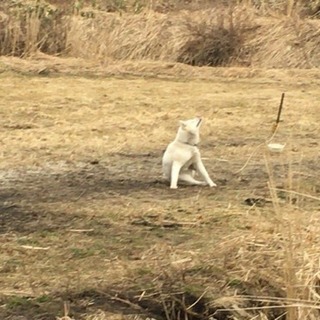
(280, 108)
(279, 113)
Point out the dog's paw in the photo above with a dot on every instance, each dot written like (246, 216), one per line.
(173, 187)
(212, 184)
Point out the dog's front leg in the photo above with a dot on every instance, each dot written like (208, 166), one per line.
(175, 170)
(202, 170)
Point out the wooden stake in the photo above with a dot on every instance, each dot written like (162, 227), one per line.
(280, 107)
(279, 113)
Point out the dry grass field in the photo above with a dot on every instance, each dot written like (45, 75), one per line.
(89, 230)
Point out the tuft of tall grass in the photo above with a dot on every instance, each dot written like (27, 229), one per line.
(215, 43)
(29, 26)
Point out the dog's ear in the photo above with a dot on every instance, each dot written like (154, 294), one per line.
(183, 124)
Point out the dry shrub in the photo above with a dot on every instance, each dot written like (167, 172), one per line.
(217, 37)
(287, 43)
(28, 26)
(217, 40)
(208, 37)
(214, 47)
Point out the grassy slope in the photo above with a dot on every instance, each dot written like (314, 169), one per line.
(81, 179)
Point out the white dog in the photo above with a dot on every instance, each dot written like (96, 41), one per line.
(182, 158)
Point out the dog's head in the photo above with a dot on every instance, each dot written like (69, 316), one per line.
(191, 130)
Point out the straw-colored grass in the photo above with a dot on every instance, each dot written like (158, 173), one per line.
(88, 228)
(208, 37)
(86, 219)
(289, 43)
(29, 26)
(214, 35)
(219, 36)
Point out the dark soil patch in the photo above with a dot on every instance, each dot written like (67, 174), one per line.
(172, 300)
(19, 197)
(125, 302)
(16, 218)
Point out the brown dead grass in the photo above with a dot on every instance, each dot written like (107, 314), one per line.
(211, 35)
(235, 36)
(155, 36)
(289, 43)
(81, 179)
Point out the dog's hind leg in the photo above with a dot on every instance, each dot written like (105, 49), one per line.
(202, 170)
(189, 179)
(175, 171)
